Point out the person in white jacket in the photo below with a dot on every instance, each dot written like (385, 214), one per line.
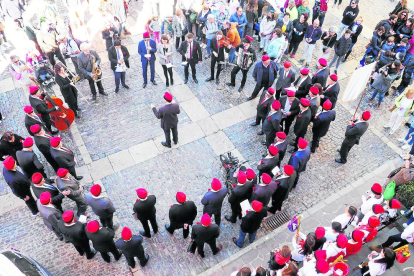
(376, 210)
(346, 218)
(372, 197)
(406, 237)
(377, 266)
(313, 267)
(267, 26)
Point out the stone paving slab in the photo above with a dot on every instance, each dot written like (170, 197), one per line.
(194, 109)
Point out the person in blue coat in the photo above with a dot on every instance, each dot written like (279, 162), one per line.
(264, 73)
(240, 18)
(213, 200)
(321, 123)
(147, 49)
(300, 158)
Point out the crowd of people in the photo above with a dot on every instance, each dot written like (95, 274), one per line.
(224, 32)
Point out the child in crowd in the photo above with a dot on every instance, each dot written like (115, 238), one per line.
(372, 197)
(154, 26)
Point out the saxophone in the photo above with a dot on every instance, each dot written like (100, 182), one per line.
(95, 72)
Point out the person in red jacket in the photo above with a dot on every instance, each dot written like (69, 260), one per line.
(279, 259)
(355, 243)
(370, 230)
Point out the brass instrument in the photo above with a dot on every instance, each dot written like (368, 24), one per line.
(298, 229)
(96, 72)
(245, 59)
(75, 77)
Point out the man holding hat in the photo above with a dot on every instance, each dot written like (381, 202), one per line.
(263, 106)
(64, 158)
(321, 75)
(19, 184)
(302, 83)
(74, 232)
(269, 162)
(27, 159)
(331, 91)
(241, 191)
(322, 123)
(284, 180)
(281, 144)
(169, 119)
(264, 74)
(190, 51)
(354, 132)
(314, 100)
(182, 215)
(31, 119)
(286, 78)
(50, 214)
(41, 108)
(300, 158)
(205, 233)
(271, 124)
(264, 190)
(147, 49)
(290, 108)
(102, 206)
(213, 200)
(131, 246)
(145, 210)
(302, 122)
(39, 185)
(42, 141)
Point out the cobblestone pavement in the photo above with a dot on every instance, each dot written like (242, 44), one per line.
(117, 143)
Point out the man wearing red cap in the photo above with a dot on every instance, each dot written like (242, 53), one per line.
(31, 119)
(102, 206)
(131, 246)
(264, 190)
(41, 108)
(284, 180)
(269, 162)
(19, 184)
(182, 215)
(242, 190)
(264, 74)
(251, 223)
(145, 210)
(286, 78)
(28, 161)
(39, 185)
(353, 133)
(213, 200)
(271, 124)
(263, 106)
(50, 214)
(322, 73)
(290, 108)
(205, 233)
(217, 56)
(331, 91)
(281, 144)
(315, 101)
(10, 143)
(147, 49)
(190, 51)
(64, 157)
(42, 141)
(322, 123)
(302, 122)
(65, 182)
(300, 158)
(169, 119)
(302, 84)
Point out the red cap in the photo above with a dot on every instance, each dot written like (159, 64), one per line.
(168, 96)
(287, 64)
(271, 90)
(373, 221)
(241, 177)
(342, 240)
(327, 105)
(35, 129)
(146, 35)
(305, 102)
(273, 150)
(281, 135)
(28, 142)
(376, 189)
(250, 174)
(291, 93)
(394, 204)
(37, 178)
(276, 105)
(33, 89)
(96, 189)
(288, 169)
(266, 178)
(334, 77)
(126, 234)
(314, 90)
(320, 254)
(181, 197)
(322, 266)
(28, 109)
(62, 172)
(377, 209)
(304, 71)
(320, 232)
(215, 184)
(257, 205)
(302, 143)
(249, 38)
(92, 226)
(67, 216)
(8, 163)
(323, 62)
(206, 220)
(265, 57)
(142, 193)
(357, 235)
(54, 142)
(366, 115)
(45, 198)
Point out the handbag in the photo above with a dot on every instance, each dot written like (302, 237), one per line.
(403, 256)
(389, 191)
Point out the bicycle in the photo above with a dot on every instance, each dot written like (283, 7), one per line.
(230, 164)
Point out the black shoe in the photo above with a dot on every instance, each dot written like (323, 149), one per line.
(166, 228)
(336, 72)
(125, 86)
(115, 227)
(54, 132)
(60, 238)
(264, 143)
(217, 81)
(230, 84)
(80, 177)
(260, 133)
(338, 150)
(209, 79)
(108, 259)
(142, 232)
(175, 143)
(185, 81)
(144, 85)
(254, 124)
(167, 84)
(228, 218)
(339, 160)
(91, 254)
(172, 82)
(93, 97)
(240, 89)
(313, 150)
(117, 90)
(153, 82)
(165, 144)
(195, 80)
(235, 242)
(146, 260)
(119, 256)
(250, 98)
(103, 93)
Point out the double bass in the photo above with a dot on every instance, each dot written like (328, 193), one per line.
(62, 118)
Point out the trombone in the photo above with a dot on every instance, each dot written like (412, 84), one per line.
(75, 77)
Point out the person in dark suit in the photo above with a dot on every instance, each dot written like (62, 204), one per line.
(264, 74)
(289, 105)
(50, 214)
(74, 232)
(213, 200)
(205, 233)
(144, 207)
(331, 91)
(314, 100)
(64, 158)
(41, 108)
(131, 246)
(271, 125)
(286, 78)
(28, 161)
(281, 144)
(19, 184)
(251, 223)
(299, 159)
(101, 206)
(190, 51)
(42, 141)
(182, 215)
(10, 144)
(269, 162)
(169, 119)
(32, 119)
(119, 57)
(103, 240)
(321, 123)
(39, 185)
(147, 48)
(264, 190)
(263, 106)
(284, 181)
(65, 182)
(242, 191)
(321, 75)
(67, 88)
(353, 133)
(302, 84)
(251, 177)
(217, 56)
(302, 122)
(110, 35)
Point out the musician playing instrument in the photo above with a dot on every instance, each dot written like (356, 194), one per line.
(88, 62)
(41, 108)
(217, 48)
(22, 72)
(67, 87)
(69, 48)
(119, 57)
(246, 56)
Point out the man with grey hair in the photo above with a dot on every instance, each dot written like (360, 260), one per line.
(312, 35)
(69, 48)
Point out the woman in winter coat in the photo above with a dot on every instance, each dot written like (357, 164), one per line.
(266, 29)
(341, 48)
(285, 24)
(402, 17)
(251, 16)
(275, 46)
(402, 5)
(299, 27)
(405, 30)
(403, 107)
(319, 11)
(202, 19)
(211, 30)
(179, 26)
(375, 44)
(356, 29)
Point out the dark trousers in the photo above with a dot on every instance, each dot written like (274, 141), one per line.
(236, 211)
(52, 162)
(92, 85)
(278, 92)
(315, 141)
(321, 18)
(270, 139)
(200, 247)
(31, 204)
(141, 257)
(177, 41)
(57, 232)
(296, 180)
(58, 205)
(145, 225)
(288, 122)
(344, 151)
(1, 117)
(394, 238)
(258, 88)
(48, 122)
(119, 78)
(145, 69)
(81, 204)
(166, 72)
(191, 63)
(217, 217)
(260, 120)
(293, 47)
(74, 105)
(213, 64)
(234, 72)
(84, 248)
(72, 171)
(51, 56)
(297, 140)
(107, 222)
(168, 136)
(365, 271)
(172, 228)
(113, 250)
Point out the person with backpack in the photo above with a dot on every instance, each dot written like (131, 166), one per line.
(70, 49)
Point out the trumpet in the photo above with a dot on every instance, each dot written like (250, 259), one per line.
(75, 77)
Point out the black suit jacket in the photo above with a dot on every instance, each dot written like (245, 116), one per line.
(113, 57)
(131, 248)
(29, 163)
(354, 133)
(263, 108)
(30, 121)
(102, 207)
(213, 201)
(302, 122)
(10, 148)
(183, 213)
(102, 239)
(74, 233)
(294, 108)
(322, 122)
(331, 94)
(268, 164)
(252, 220)
(40, 107)
(321, 77)
(263, 192)
(271, 124)
(168, 115)
(18, 183)
(241, 193)
(202, 234)
(63, 158)
(282, 147)
(219, 51)
(145, 209)
(302, 90)
(196, 51)
(54, 192)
